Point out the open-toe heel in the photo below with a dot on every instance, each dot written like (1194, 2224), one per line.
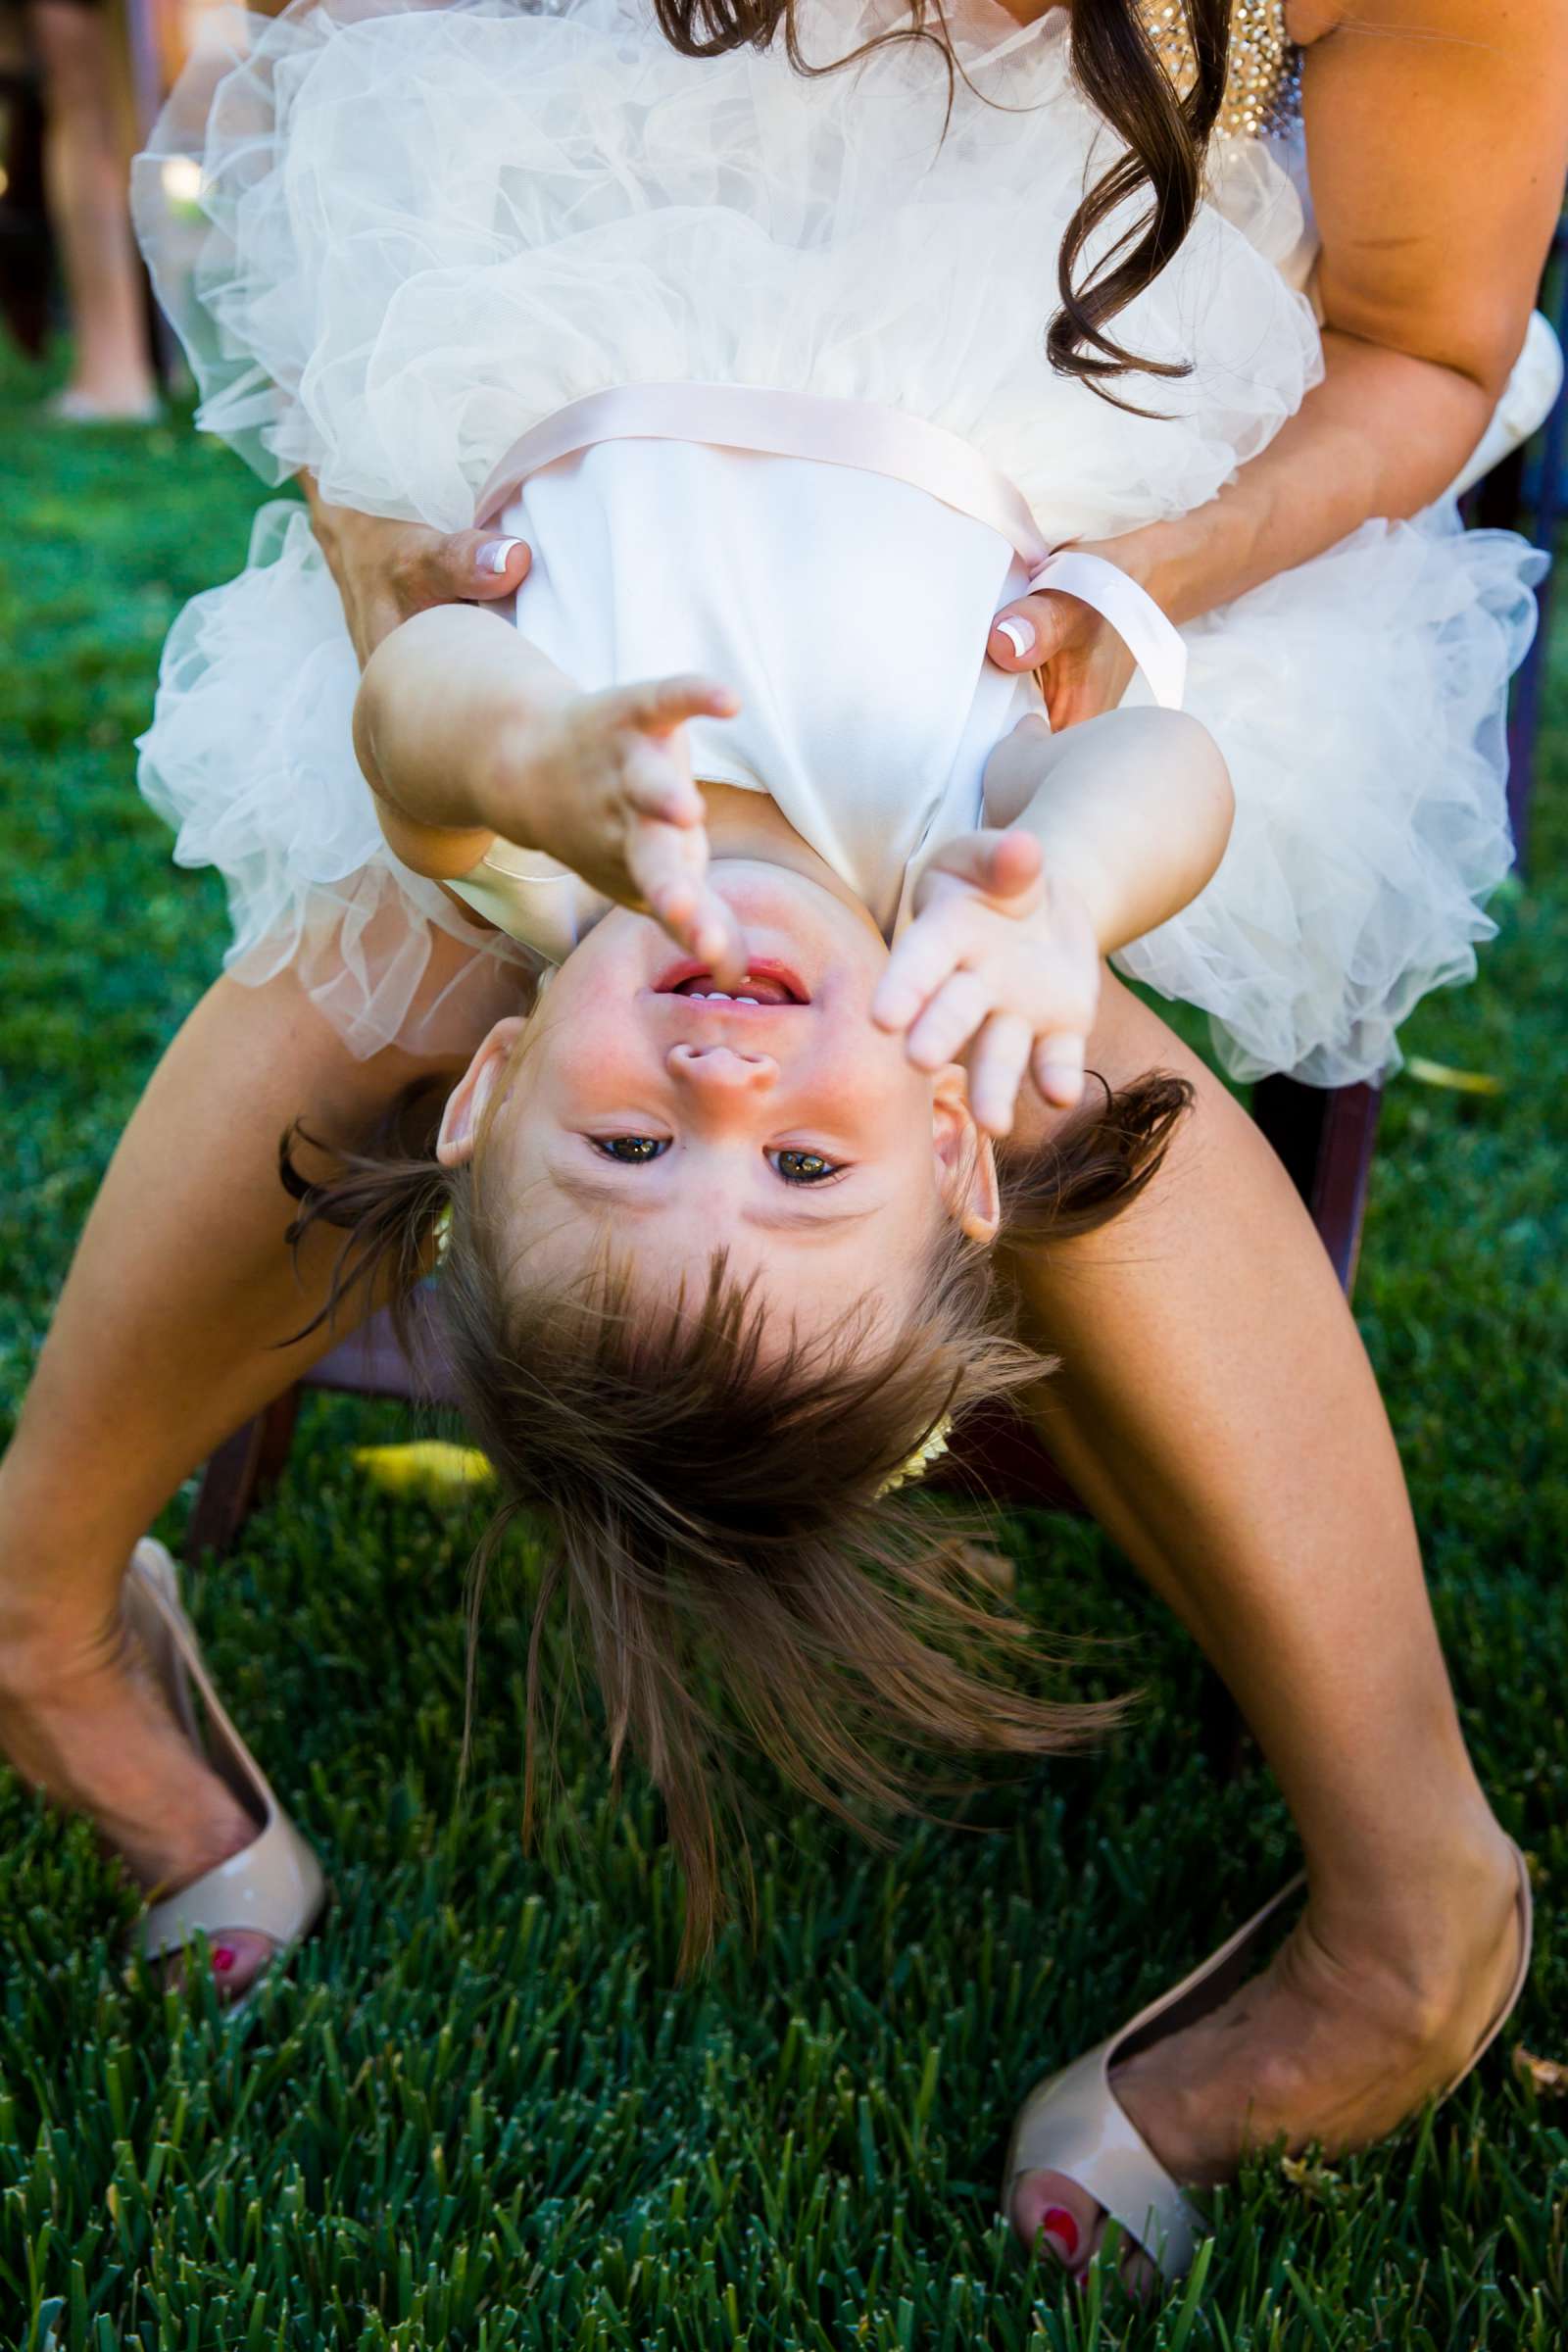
(1073, 2123)
(275, 1885)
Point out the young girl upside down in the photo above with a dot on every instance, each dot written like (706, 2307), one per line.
(720, 1206)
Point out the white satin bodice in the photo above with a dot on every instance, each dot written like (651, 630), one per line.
(849, 613)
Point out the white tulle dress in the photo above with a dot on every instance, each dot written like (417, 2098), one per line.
(416, 233)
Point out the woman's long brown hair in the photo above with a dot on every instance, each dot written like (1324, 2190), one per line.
(1163, 132)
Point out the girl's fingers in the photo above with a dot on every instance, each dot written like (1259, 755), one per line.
(663, 859)
(1014, 861)
(998, 1061)
(664, 703)
(1058, 1063)
(676, 907)
(948, 1021)
(998, 865)
(717, 938)
(669, 874)
(968, 856)
(656, 788)
(698, 921)
(921, 962)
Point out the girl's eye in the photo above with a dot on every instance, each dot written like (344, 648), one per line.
(631, 1150)
(803, 1167)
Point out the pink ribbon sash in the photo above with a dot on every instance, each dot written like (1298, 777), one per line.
(871, 438)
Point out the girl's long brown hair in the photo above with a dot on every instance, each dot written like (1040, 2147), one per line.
(725, 1555)
(1163, 133)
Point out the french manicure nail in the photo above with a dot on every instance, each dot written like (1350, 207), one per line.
(496, 555)
(1018, 633)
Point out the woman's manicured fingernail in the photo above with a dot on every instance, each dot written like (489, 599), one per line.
(496, 555)
(1061, 2231)
(1018, 633)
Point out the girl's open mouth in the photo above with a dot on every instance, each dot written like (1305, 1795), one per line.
(764, 983)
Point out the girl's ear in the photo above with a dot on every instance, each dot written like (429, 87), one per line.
(966, 1161)
(471, 1097)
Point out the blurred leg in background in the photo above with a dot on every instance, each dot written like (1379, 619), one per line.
(86, 161)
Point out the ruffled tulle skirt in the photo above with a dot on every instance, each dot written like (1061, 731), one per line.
(416, 233)
(250, 759)
(1360, 702)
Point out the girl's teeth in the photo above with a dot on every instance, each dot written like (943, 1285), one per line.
(716, 996)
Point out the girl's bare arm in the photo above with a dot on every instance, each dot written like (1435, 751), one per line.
(466, 731)
(1132, 812)
(441, 701)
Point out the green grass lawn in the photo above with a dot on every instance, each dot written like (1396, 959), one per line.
(480, 2110)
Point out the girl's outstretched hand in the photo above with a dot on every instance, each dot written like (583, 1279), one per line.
(1000, 969)
(609, 792)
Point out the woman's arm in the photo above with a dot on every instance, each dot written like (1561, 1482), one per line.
(1436, 135)
(1437, 142)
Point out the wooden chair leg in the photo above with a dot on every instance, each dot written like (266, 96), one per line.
(1325, 1138)
(236, 1475)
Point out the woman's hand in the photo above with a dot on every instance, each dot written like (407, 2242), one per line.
(1084, 665)
(387, 570)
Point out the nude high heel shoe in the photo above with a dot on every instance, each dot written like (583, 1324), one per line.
(1074, 2123)
(275, 1885)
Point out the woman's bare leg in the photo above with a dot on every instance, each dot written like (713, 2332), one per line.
(1216, 1410)
(165, 1341)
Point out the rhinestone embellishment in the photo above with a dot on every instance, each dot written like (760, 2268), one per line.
(1263, 86)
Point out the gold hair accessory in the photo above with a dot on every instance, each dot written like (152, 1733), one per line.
(441, 1235)
(921, 1460)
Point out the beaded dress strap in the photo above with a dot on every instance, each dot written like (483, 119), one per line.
(1263, 84)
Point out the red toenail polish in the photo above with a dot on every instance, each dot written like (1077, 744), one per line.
(224, 1961)
(1057, 2224)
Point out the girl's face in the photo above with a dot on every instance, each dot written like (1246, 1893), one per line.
(790, 1131)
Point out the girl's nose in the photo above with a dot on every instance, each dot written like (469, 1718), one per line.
(718, 1070)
